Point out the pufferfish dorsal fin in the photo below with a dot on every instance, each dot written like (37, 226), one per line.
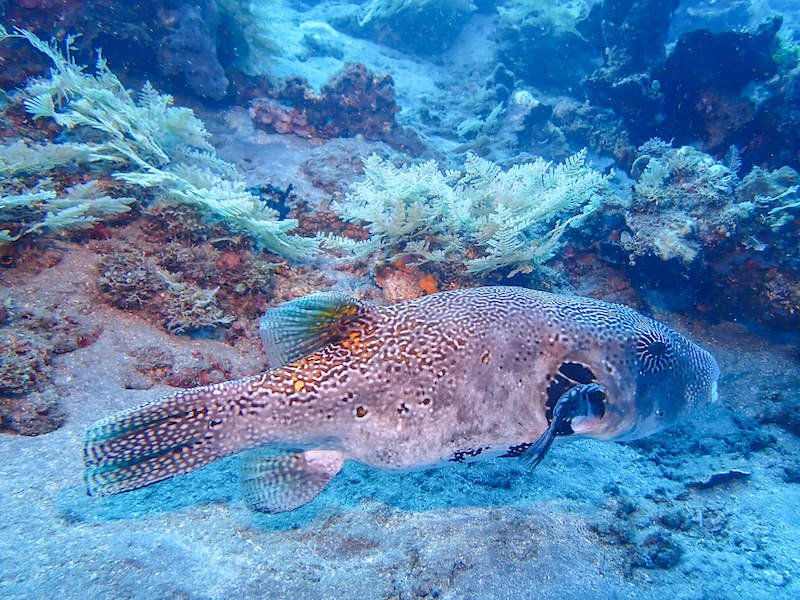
(280, 481)
(302, 326)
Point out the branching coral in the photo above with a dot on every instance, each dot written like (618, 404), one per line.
(148, 142)
(483, 217)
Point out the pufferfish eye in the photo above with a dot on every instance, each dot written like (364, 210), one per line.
(654, 350)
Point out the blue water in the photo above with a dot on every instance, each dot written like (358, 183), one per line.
(225, 156)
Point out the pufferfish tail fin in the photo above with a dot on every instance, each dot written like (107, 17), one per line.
(168, 437)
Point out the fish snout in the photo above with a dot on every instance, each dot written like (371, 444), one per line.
(667, 376)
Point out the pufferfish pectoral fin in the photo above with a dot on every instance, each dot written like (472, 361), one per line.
(274, 482)
(302, 326)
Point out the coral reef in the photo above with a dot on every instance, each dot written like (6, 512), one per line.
(189, 309)
(188, 285)
(731, 238)
(118, 215)
(677, 202)
(128, 279)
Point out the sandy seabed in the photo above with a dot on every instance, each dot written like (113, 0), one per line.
(595, 520)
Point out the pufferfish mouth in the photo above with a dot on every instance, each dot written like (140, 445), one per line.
(569, 375)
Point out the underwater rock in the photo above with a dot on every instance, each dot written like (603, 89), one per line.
(581, 123)
(36, 413)
(538, 40)
(270, 115)
(781, 409)
(354, 102)
(400, 283)
(724, 61)
(189, 49)
(658, 550)
(420, 27)
(703, 80)
(29, 340)
(791, 474)
(630, 35)
(719, 479)
(172, 44)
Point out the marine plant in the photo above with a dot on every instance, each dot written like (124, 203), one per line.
(482, 217)
(145, 142)
(41, 209)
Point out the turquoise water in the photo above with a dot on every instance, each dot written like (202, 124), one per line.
(226, 157)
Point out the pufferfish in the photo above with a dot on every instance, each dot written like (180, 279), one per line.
(454, 376)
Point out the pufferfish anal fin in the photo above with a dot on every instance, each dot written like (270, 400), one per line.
(302, 326)
(274, 482)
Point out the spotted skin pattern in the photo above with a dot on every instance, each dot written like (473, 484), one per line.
(457, 375)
